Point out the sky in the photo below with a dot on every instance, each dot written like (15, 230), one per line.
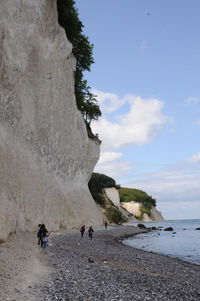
(147, 80)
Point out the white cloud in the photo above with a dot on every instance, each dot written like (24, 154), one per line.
(139, 126)
(110, 165)
(195, 158)
(114, 169)
(198, 121)
(183, 210)
(177, 188)
(106, 157)
(177, 193)
(172, 185)
(108, 102)
(191, 100)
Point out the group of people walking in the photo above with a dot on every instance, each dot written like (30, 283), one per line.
(90, 231)
(42, 234)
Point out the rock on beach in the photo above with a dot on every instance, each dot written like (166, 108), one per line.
(105, 269)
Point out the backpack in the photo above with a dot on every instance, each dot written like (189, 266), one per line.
(81, 229)
(44, 233)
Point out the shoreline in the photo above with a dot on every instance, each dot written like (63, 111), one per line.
(106, 269)
(157, 253)
(99, 269)
(180, 243)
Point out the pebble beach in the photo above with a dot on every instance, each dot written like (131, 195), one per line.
(105, 269)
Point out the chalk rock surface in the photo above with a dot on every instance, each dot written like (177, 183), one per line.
(113, 194)
(135, 209)
(46, 157)
(132, 207)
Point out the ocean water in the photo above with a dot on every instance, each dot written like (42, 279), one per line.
(183, 244)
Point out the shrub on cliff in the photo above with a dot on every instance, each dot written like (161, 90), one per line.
(136, 195)
(139, 196)
(97, 183)
(114, 215)
(82, 49)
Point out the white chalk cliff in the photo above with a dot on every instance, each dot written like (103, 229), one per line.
(135, 209)
(132, 207)
(113, 195)
(46, 157)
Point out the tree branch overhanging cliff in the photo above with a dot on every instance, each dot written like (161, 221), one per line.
(82, 49)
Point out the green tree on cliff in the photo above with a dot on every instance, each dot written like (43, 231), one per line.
(82, 50)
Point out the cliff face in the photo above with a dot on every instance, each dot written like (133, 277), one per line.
(156, 215)
(135, 209)
(113, 195)
(46, 157)
(132, 207)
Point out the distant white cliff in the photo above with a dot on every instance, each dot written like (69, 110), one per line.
(113, 195)
(132, 207)
(135, 209)
(46, 157)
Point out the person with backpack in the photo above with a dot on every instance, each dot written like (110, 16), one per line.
(90, 231)
(82, 230)
(43, 232)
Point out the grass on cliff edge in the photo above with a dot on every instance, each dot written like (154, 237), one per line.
(139, 196)
(96, 186)
(114, 215)
(97, 183)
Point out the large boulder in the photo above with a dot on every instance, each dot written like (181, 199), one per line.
(169, 229)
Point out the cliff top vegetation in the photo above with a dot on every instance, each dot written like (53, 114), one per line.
(139, 196)
(68, 18)
(100, 181)
(136, 195)
(96, 185)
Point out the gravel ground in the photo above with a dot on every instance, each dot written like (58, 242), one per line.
(105, 269)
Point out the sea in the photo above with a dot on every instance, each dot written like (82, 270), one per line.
(183, 242)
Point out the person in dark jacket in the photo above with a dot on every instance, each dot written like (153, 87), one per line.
(90, 231)
(42, 233)
(106, 224)
(82, 230)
